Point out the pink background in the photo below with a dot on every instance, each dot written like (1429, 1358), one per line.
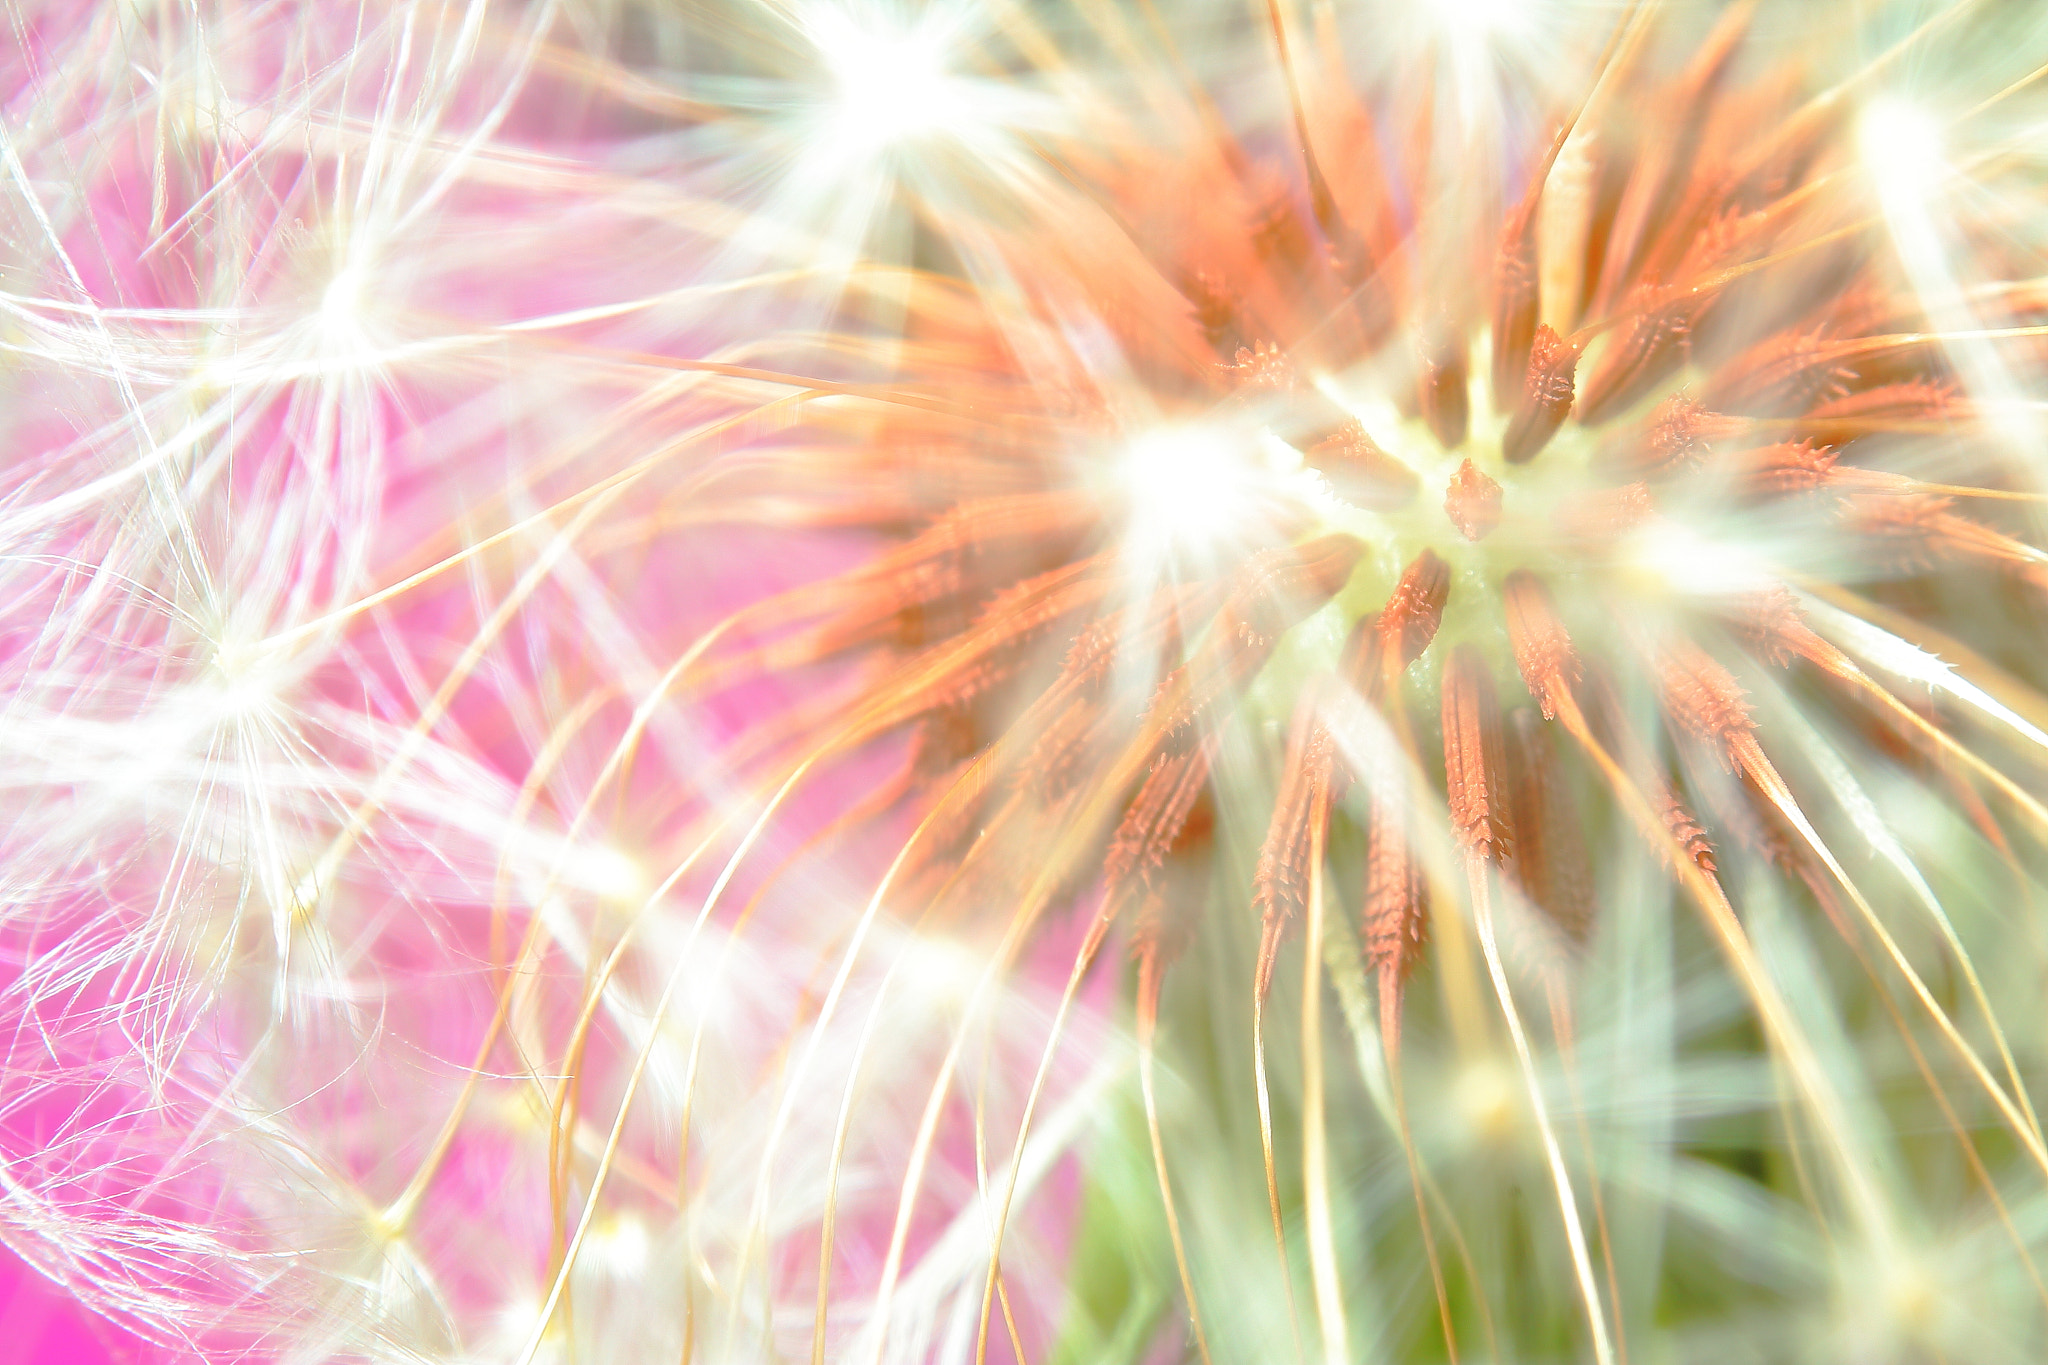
(39, 1322)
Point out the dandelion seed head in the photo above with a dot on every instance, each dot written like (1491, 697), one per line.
(1189, 489)
(1675, 559)
(783, 636)
(1482, 22)
(1573, 437)
(1900, 144)
(940, 973)
(610, 872)
(1902, 1301)
(621, 1247)
(342, 300)
(891, 79)
(1488, 1098)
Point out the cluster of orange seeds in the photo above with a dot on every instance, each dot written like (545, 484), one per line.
(1731, 339)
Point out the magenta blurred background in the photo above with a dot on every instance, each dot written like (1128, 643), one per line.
(41, 1323)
